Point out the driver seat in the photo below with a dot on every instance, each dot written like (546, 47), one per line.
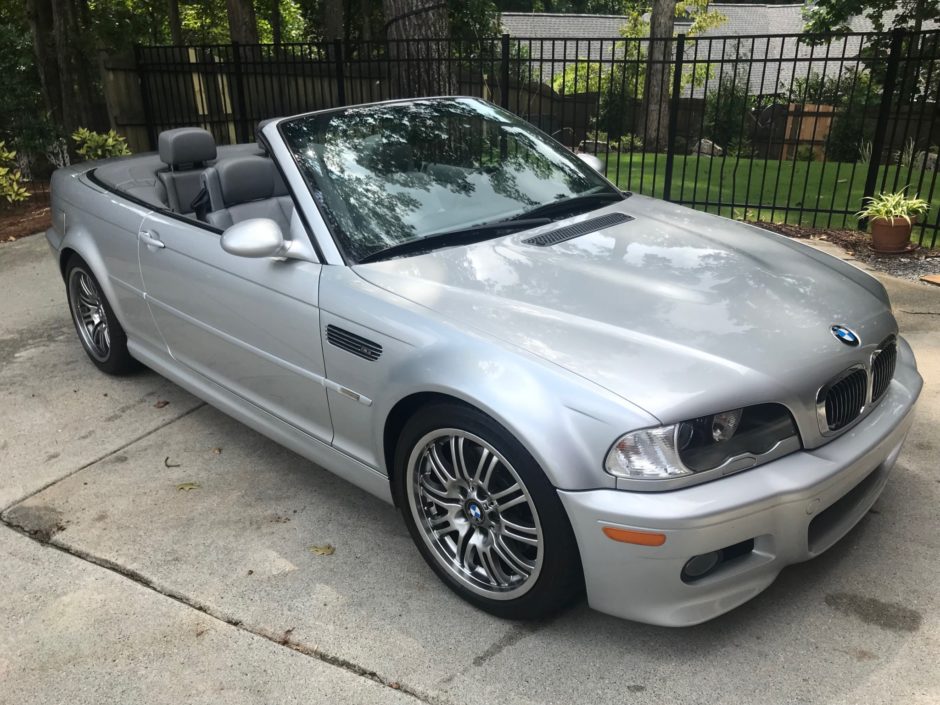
(247, 187)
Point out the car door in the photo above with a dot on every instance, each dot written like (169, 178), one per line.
(249, 325)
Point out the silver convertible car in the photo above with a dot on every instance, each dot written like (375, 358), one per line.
(564, 387)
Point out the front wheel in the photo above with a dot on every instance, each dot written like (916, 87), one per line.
(483, 514)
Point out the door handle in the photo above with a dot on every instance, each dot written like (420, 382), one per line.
(149, 239)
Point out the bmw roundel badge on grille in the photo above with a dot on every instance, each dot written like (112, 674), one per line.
(844, 335)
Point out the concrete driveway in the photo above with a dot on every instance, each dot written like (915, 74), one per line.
(118, 586)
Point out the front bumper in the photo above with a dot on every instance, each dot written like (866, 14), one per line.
(791, 509)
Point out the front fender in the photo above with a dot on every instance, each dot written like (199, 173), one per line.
(566, 422)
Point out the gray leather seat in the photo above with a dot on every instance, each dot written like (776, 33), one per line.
(185, 151)
(247, 187)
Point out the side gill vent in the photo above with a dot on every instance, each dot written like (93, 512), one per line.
(352, 343)
(553, 237)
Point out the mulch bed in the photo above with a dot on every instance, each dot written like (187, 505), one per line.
(910, 265)
(31, 216)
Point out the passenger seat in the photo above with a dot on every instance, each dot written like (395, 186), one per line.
(185, 151)
(247, 187)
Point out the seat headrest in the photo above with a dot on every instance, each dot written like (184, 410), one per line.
(245, 179)
(186, 145)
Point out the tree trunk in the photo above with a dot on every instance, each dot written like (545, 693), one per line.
(173, 17)
(425, 71)
(242, 25)
(365, 11)
(65, 65)
(332, 11)
(276, 21)
(63, 36)
(39, 14)
(656, 91)
(80, 55)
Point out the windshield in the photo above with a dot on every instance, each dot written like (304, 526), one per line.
(392, 173)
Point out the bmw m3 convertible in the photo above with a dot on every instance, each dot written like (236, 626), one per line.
(565, 388)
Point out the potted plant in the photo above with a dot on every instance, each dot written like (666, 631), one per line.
(892, 216)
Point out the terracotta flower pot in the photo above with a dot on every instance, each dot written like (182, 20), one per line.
(888, 237)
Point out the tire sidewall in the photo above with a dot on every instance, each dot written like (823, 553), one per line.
(118, 360)
(559, 580)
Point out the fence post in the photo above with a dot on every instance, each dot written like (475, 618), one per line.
(673, 117)
(241, 122)
(145, 98)
(884, 112)
(340, 75)
(504, 73)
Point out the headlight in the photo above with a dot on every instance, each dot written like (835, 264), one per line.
(737, 439)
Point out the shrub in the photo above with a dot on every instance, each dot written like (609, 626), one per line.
(805, 153)
(727, 109)
(625, 143)
(619, 88)
(11, 187)
(99, 145)
(853, 94)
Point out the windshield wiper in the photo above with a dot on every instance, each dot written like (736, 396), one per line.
(573, 204)
(460, 236)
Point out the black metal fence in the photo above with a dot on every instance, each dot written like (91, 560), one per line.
(782, 128)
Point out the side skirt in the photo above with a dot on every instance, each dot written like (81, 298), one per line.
(313, 449)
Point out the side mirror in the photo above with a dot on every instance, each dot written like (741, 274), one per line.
(255, 237)
(593, 162)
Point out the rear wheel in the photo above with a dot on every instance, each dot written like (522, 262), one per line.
(483, 514)
(98, 329)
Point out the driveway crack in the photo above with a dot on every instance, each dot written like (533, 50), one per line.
(283, 639)
(104, 456)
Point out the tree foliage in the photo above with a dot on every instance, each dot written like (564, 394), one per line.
(622, 83)
(827, 16)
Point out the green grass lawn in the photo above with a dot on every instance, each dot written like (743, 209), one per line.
(758, 189)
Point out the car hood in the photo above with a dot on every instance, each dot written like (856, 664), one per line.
(679, 312)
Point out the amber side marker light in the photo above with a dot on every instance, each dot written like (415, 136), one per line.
(641, 538)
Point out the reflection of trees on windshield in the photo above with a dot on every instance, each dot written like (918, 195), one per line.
(390, 173)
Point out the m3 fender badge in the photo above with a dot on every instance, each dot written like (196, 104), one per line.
(844, 335)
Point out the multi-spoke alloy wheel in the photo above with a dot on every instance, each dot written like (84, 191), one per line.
(475, 513)
(101, 334)
(88, 312)
(483, 513)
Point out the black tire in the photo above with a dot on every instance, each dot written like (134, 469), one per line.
(559, 579)
(114, 358)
